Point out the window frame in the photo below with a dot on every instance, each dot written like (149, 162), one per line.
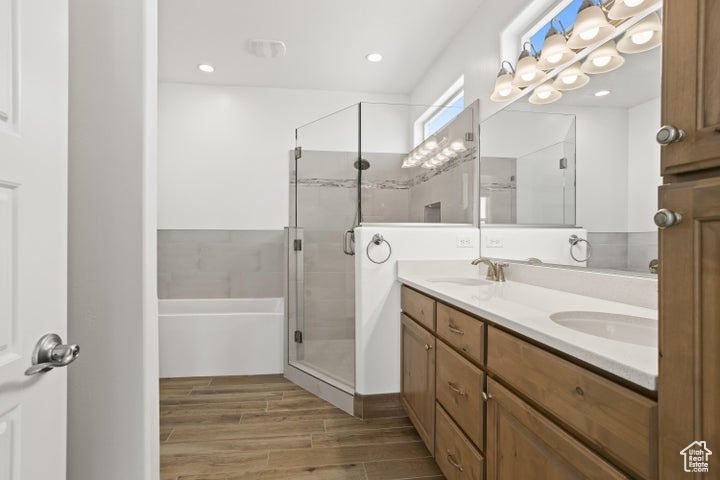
(450, 96)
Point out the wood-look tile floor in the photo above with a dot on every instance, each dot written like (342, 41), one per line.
(264, 427)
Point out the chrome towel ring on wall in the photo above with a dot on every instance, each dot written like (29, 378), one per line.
(378, 240)
(574, 240)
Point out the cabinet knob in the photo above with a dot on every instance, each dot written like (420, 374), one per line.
(428, 347)
(669, 134)
(665, 218)
(486, 396)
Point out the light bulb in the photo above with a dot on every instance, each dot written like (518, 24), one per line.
(458, 146)
(633, 3)
(601, 61)
(569, 79)
(554, 58)
(543, 94)
(431, 144)
(504, 92)
(527, 76)
(590, 33)
(422, 151)
(641, 38)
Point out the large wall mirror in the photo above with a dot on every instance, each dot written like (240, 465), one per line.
(577, 149)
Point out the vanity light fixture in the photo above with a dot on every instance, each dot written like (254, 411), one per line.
(527, 71)
(554, 50)
(623, 9)
(374, 57)
(605, 59)
(602, 93)
(545, 94)
(206, 68)
(571, 78)
(643, 36)
(590, 26)
(504, 88)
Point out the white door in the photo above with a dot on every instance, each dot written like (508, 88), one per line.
(33, 234)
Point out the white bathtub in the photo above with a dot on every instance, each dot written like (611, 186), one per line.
(211, 337)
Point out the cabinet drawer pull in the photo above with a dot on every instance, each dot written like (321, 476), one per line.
(456, 389)
(455, 330)
(428, 346)
(454, 462)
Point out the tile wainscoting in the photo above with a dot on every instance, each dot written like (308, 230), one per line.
(220, 263)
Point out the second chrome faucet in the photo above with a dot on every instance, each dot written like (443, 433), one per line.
(495, 270)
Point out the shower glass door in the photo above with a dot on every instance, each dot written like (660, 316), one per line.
(324, 210)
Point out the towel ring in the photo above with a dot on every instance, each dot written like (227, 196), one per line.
(574, 240)
(378, 240)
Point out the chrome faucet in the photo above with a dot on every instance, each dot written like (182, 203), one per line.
(495, 271)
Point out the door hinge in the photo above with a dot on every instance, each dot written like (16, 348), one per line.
(298, 336)
(297, 245)
(298, 153)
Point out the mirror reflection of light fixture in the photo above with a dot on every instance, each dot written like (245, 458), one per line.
(504, 88)
(623, 9)
(590, 26)
(545, 94)
(571, 78)
(643, 36)
(554, 50)
(605, 59)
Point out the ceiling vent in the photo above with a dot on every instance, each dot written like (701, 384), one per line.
(266, 48)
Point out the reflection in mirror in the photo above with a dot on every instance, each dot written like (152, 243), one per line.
(586, 164)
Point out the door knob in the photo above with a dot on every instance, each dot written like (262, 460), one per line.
(51, 353)
(669, 134)
(665, 218)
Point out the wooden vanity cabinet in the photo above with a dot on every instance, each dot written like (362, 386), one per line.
(522, 443)
(489, 404)
(418, 378)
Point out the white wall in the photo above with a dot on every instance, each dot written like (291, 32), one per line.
(377, 296)
(112, 303)
(549, 245)
(643, 165)
(223, 150)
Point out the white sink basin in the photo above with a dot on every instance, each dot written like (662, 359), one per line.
(622, 328)
(474, 282)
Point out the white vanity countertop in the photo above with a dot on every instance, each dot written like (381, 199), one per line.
(526, 309)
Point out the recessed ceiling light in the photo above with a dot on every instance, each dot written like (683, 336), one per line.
(373, 57)
(602, 93)
(205, 67)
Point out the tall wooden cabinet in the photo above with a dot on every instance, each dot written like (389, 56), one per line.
(689, 274)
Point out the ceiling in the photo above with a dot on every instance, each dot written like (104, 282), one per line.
(327, 41)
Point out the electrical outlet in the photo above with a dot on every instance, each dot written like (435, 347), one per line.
(493, 242)
(464, 242)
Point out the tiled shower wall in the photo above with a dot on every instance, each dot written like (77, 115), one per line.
(220, 263)
(623, 251)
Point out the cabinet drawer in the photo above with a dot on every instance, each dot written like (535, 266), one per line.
(462, 331)
(459, 388)
(419, 307)
(454, 454)
(616, 420)
(523, 444)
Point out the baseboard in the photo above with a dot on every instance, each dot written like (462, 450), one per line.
(378, 406)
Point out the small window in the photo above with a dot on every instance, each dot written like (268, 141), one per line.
(567, 16)
(445, 115)
(444, 110)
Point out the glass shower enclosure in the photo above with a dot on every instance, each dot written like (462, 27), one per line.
(365, 164)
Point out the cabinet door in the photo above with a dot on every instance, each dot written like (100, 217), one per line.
(418, 378)
(522, 443)
(691, 84)
(689, 276)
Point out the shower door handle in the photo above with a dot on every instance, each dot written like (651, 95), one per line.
(349, 242)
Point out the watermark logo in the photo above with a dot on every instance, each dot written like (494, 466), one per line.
(696, 457)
